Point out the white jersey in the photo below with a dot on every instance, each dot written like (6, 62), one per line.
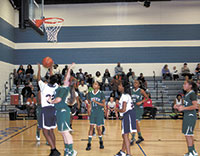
(129, 103)
(46, 93)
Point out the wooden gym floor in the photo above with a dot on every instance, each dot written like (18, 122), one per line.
(162, 138)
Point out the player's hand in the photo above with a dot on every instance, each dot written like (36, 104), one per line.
(38, 65)
(72, 65)
(138, 103)
(94, 100)
(181, 108)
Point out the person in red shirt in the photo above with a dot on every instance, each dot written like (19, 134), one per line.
(149, 108)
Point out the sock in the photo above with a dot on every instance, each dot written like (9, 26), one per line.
(90, 139)
(100, 138)
(193, 148)
(190, 149)
(71, 148)
(66, 149)
(133, 136)
(139, 134)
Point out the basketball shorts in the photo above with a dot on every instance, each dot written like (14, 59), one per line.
(63, 119)
(129, 122)
(189, 122)
(47, 118)
(139, 112)
(38, 113)
(97, 117)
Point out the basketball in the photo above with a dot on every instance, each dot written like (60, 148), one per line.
(47, 62)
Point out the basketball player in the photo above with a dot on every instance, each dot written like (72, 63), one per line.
(190, 117)
(63, 114)
(96, 100)
(137, 95)
(127, 112)
(47, 117)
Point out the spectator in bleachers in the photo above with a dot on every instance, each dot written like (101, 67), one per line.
(80, 75)
(166, 72)
(83, 90)
(90, 80)
(118, 69)
(64, 71)
(197, 71)
(149, 108)
(175, 73)
(106, 79)
(185, 71)
(26, 92)
(198, 85)
(143, 82)
(178, 101)
(56, 70)
(29, 73)
(98, 78)
(129, 73)
(31, 105)
(132, 78)
(16, 79)
(112, 108)
(21, 73)
(114, 84)
(124, 79)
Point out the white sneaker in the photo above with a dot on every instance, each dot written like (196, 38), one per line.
(37, 138)
(195, 153)
(75, 153)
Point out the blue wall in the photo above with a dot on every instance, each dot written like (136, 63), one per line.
(6, 54)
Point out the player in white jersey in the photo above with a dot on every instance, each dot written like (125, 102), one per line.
(48, 112)
(127, 112)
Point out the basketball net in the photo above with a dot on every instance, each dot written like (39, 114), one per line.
(52, 26)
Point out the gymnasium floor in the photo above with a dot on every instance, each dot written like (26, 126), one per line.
(162, 138)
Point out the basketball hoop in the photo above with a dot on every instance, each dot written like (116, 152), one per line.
(52, 26)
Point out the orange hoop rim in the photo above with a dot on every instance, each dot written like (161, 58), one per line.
(46, 20)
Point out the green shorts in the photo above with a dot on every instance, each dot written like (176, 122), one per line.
(189, 122)
(139, 113)
(97, 117)
(63, 119)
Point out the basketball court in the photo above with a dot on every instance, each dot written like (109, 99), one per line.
(96, 35)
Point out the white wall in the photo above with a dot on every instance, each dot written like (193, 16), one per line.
(174, 12)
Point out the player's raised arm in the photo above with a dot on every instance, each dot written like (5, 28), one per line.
(39, 72)
(67, 76)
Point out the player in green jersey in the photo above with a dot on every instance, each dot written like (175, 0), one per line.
(63, 115)
(96, 100)
(137, 95)
(190, 117)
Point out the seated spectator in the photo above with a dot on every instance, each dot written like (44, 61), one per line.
(198, 85)
(90, 80)
(64, 71)
(21, 73)
(112, 108)
(124, 79)
(148, 108)
(177, 102)
(118, 69)
(56, 70)
(143, 82)
(166, 73)
(132, 78)
(114, 84)
(197, 71)
(129, 73)
(26, 92)
(83, 90)
(98, 78)
(106, 79)
(175, 74)
(80, 75)
(185, 71)
(16, 80)
(29, 73)
(31, 104)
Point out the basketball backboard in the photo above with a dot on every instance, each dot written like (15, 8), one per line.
(35, 12)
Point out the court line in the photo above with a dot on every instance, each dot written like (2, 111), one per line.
(142, 150)
(17, 133)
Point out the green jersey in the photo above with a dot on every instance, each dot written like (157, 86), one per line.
(188, 99)
(61, 92)
(99, 97)
(136, 97)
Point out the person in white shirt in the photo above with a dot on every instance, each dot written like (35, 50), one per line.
(126, 110)
(112, 108)
(83, 90)
(175, 73)
(47, 120)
